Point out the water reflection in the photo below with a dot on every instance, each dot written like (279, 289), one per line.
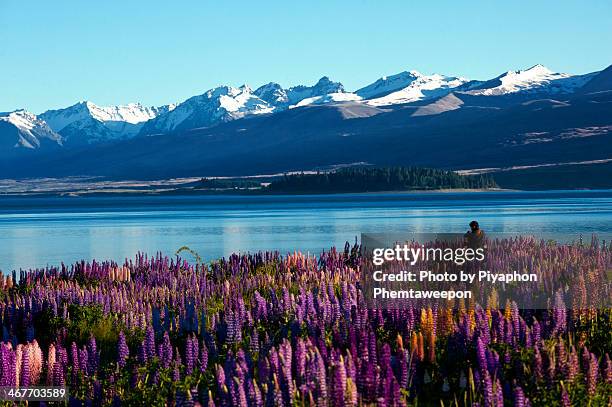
(36, 232)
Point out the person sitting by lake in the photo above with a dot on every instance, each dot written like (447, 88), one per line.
(475, 237)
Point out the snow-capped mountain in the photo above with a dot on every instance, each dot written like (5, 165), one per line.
(217, 105)
(536, 79)
(226, 103)
(280, 98)
(387, 84)
(328, 98)
(512, 119)
(22, 129)
(86, 122)
(324, 86)
(407, 87)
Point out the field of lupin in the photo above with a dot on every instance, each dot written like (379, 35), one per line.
(270, 329)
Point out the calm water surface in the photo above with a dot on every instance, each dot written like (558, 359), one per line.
(38, 231)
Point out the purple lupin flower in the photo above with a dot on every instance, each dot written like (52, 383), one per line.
(149, 343)
(123, 352)
(74, 355)
(592, 374)
(94, 360)
(573, 365)
(608, 369)
(142, 353)
(253, 393)
(165, 351)
(189, 356)
(321, 377)
(83, 359)
(59, 379)
(275, 395)
(203, 357)
(559, 315)
(300, 361)
(254, 343)
(481, 355)
(565, 399)
(519, 397)
(488, 389)
(176, 372)
(536, 331)
(195, 349)
(239, 397)
(561, 357)
(585, 359)
(286, 357)
(538, 368)
(338, 385)
(499, 393)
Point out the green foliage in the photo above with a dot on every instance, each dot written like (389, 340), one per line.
(371, 179)
(47, 326)
(90, 320)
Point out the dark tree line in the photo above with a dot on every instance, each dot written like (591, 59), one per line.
(369, 179)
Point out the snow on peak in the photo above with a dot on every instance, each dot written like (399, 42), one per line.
(273, 93)
(30, 129)
(86, 122)
(130, 113)
(328, 98)
(225, 103)
(538, 69)
(243, 102)
(216, 105)
(538, 78)
(387, 84)
(84, 111)
(323, 86)
(409, 86)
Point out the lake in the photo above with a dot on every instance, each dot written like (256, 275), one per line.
(39, 231)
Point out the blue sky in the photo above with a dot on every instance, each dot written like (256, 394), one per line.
(55, 53)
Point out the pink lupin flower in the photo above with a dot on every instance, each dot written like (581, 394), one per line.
(50, 364)
(35, 362)
(18, 362)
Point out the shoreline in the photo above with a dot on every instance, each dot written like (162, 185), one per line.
(229, 193)
(240, 193)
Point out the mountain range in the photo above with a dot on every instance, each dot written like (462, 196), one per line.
(524, 118)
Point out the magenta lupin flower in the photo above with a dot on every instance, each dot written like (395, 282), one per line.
(24, 379)
(519, 397)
